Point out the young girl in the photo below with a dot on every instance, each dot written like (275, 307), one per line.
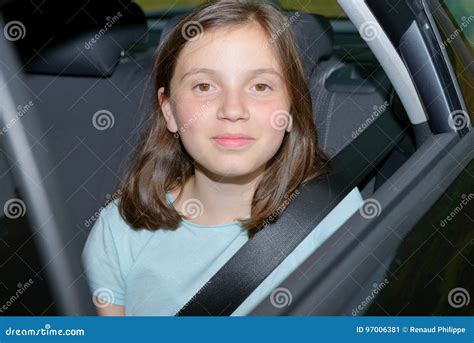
(230, 138)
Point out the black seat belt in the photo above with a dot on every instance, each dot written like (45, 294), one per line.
(259, 256)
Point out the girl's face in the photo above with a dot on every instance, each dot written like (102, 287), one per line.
(229, 102)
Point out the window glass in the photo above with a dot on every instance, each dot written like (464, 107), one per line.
(431, 273)
(455, 22)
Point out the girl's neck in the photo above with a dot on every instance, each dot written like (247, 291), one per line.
(220, 200)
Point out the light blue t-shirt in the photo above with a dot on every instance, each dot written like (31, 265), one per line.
(156, 273)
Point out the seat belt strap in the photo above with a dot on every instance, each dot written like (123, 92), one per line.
(259, 256)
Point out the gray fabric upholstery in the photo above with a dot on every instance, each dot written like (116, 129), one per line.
(87, 43)
(314, 38)
(88, 161)
(339, 114)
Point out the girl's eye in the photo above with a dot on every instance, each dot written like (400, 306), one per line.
(203, 87)
(261, 87)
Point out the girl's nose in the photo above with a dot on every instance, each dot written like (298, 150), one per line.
(233, 106)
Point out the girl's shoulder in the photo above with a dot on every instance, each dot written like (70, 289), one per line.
(111, 223)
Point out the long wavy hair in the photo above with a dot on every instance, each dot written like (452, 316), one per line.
(161, 162)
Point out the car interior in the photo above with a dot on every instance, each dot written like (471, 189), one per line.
(69, 83)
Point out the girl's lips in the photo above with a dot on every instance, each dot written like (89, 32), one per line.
(232, 142)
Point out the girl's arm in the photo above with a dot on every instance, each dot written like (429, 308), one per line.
(110, 310)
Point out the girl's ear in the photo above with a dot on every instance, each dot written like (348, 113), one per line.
(290, 123)
(166, 108)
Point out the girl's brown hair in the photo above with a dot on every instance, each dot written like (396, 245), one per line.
(161, 163)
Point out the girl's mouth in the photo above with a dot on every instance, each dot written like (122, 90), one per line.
(233, 140)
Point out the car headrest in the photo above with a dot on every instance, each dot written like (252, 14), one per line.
(81, 39)
(313, 36)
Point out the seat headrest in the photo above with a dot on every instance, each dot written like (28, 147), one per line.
(71, 38)
(313, 35)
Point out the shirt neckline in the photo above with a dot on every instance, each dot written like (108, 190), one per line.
(236, 223)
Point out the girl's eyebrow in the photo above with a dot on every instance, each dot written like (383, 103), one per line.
(213, 72)
(265, 71)
(197, 71)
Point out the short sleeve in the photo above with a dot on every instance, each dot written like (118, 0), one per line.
(101, 261)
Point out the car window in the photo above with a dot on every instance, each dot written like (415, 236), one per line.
(455, 22)
(327, 8)
(24, 287)
(431, 273)
(154, 6)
